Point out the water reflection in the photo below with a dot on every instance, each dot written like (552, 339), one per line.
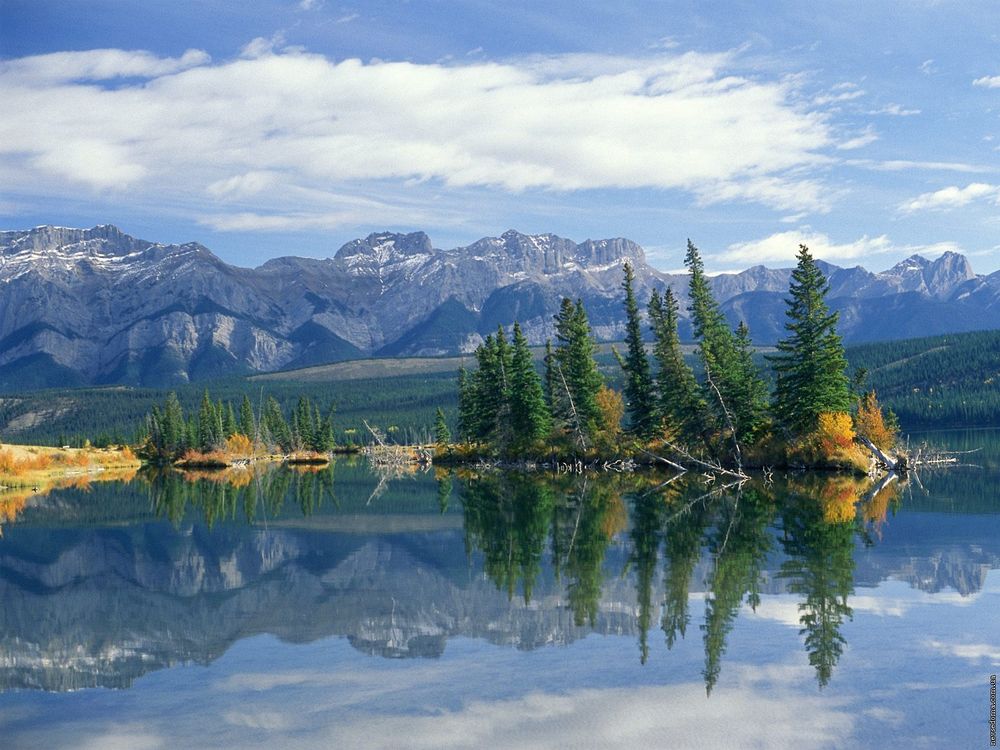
(103, 585)
(241, 494)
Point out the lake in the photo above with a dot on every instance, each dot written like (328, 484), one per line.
(342, 608)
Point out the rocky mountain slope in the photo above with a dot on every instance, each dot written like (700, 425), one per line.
(84, 306)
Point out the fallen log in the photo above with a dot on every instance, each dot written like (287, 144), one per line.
(897, 464)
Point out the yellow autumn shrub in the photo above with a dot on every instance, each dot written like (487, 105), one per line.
(870, 422)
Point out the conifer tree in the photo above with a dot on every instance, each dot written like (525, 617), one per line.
(491, 390)
(576, 370)
(442, 435)
(229, 427)
(810, 368)
(679, 403)
(277, 428)
(640, 401)
(751, 392)
(549, 387)
(466, 405)
(529, 414)
(303, 428)
(324, 440)
(173, 427)
(247, 425)
(208, 432)
(736, 380)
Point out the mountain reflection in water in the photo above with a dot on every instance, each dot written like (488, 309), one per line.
(103, 584)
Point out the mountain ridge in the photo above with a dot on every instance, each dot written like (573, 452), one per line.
(100, 306)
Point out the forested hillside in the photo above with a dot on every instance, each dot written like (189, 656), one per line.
(951, 380)
(943, 381)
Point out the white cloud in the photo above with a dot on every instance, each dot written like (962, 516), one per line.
(927, 67)
(895, 110)
(268, 721)
(899, 165)
(242, 185)
(989, 82)
(94, 65)
(782, 247)
(842, 92)
(623, 718)
(974, 652)
(859, 141)
(951, 197)
(572, 122)
(261, 46)
(122, 739)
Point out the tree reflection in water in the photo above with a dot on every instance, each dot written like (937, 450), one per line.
(813, 521)
(524, 524)
(243, 495)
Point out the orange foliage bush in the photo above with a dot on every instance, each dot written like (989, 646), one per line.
(870, 422)
(239, 445)
(77, 458)
(211, 458)
(14, 465)
(612, 407)
(834, 432)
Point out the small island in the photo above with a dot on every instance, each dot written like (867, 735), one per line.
(720, 420)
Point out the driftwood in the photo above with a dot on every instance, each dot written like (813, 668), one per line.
(713, 468)
(899, 464)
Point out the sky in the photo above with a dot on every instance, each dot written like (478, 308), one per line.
(868, 131)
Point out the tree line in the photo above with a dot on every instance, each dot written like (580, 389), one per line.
(727, 410)
(168, 433)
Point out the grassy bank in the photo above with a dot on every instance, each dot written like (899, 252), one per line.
(40, 466)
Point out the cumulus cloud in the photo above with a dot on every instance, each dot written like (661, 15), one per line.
(951, 197)
(276, 119)
(782, 247)
(989, 82)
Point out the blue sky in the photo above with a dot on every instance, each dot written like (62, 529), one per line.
(868, 130)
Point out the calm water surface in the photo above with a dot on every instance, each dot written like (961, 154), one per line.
(346, 609)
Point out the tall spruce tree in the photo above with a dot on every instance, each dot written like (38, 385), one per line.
(549, 387)
(173, 426)
(247, 426)
(529, 415)
(810, 367)
(209, 424)
(751, 390)
(640, 401)
(578, 378)
(229, 426)
(442, 435)
(466, 405)
(736, 381)
(275, 425)
(491, 391)
(679, 404)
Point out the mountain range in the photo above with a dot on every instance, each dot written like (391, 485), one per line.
(97, 306)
